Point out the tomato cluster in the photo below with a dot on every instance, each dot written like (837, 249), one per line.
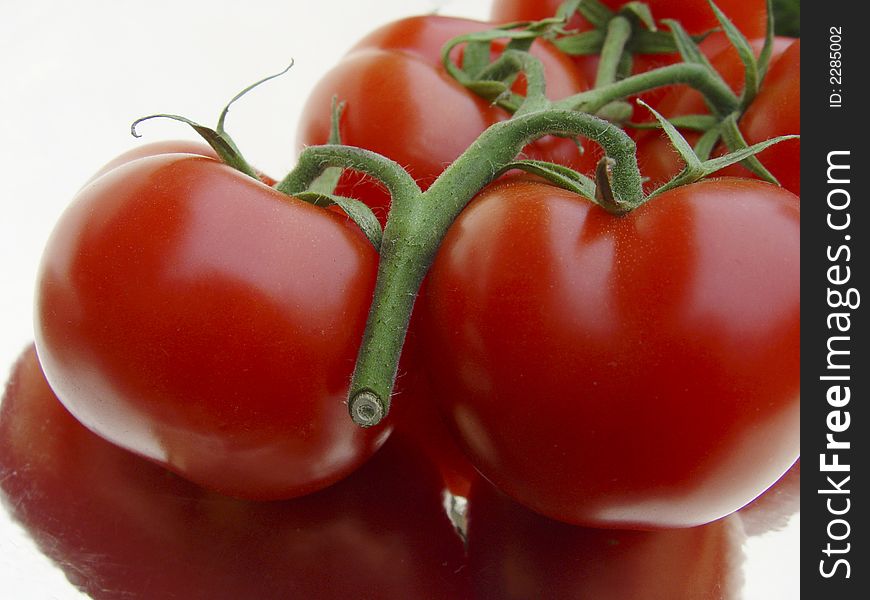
(628, 374)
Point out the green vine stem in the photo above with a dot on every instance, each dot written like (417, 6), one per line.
(697, 76)
(419, 220)
(618, 34)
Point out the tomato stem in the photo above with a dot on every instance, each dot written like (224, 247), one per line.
(418, 221)
(618, 34)
(695, 75)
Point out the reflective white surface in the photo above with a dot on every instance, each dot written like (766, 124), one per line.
(75, 75)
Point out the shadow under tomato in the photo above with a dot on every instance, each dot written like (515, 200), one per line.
(122, 527)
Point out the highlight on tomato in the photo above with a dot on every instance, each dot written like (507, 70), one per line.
(403, 105)
(198, 317)
(639, 371)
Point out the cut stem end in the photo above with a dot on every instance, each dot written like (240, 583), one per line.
(366, 409)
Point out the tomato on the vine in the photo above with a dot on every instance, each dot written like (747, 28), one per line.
(696, 16)
(402, 104)
(120, 527)
(775, 111)
(201, 319)
(637, 371)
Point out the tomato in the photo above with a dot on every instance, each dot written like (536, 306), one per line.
(696, 16)
(122, 527)
(515, 554)
(639, 371)
(416, 415)
(203, 320)
(775, 111)
(402, 104)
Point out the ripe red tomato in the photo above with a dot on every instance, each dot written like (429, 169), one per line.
(203, 320)
(515, 554)
(696, 16)
(775, 111)
(402, 104)
(639, 371)
(121, 527)
(415, 414)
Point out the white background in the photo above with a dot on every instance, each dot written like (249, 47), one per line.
(75, 75)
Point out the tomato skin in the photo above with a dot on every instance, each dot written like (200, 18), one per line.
(638, 371)
(121, 527)
(203, 320)
(402, 104)
(776, 111)
(515, 554)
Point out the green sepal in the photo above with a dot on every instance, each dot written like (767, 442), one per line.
(328, 180)
(358, 212)
(686, 45)
(559, 175)
(747, 56)
(218, 138)
(767, 49)
(567, 9)
(641, 12)
(691, 122)
(581, 44)
(660, 42)
(696, 168)
(475, 57)
(224, 147)
(735, 141)
(596, 13)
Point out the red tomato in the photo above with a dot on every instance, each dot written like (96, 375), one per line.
(639, 371)
(123, 528)
(415, 413)
(774, 112)
(696, 16)
(205, 321)
(515, 554)
(403, 105)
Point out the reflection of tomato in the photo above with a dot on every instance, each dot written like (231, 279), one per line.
(514, 553)
(696, 17)
(415, 413)
(774, 112)
(635, 371)
(123, 528)
(197, 317)
(402, 104)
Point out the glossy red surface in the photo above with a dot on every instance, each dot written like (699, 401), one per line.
(402, 104)
(123, 528)
(516, 554)
(201, 319)
(638, 371)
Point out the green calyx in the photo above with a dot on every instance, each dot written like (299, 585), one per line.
(319, 192)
